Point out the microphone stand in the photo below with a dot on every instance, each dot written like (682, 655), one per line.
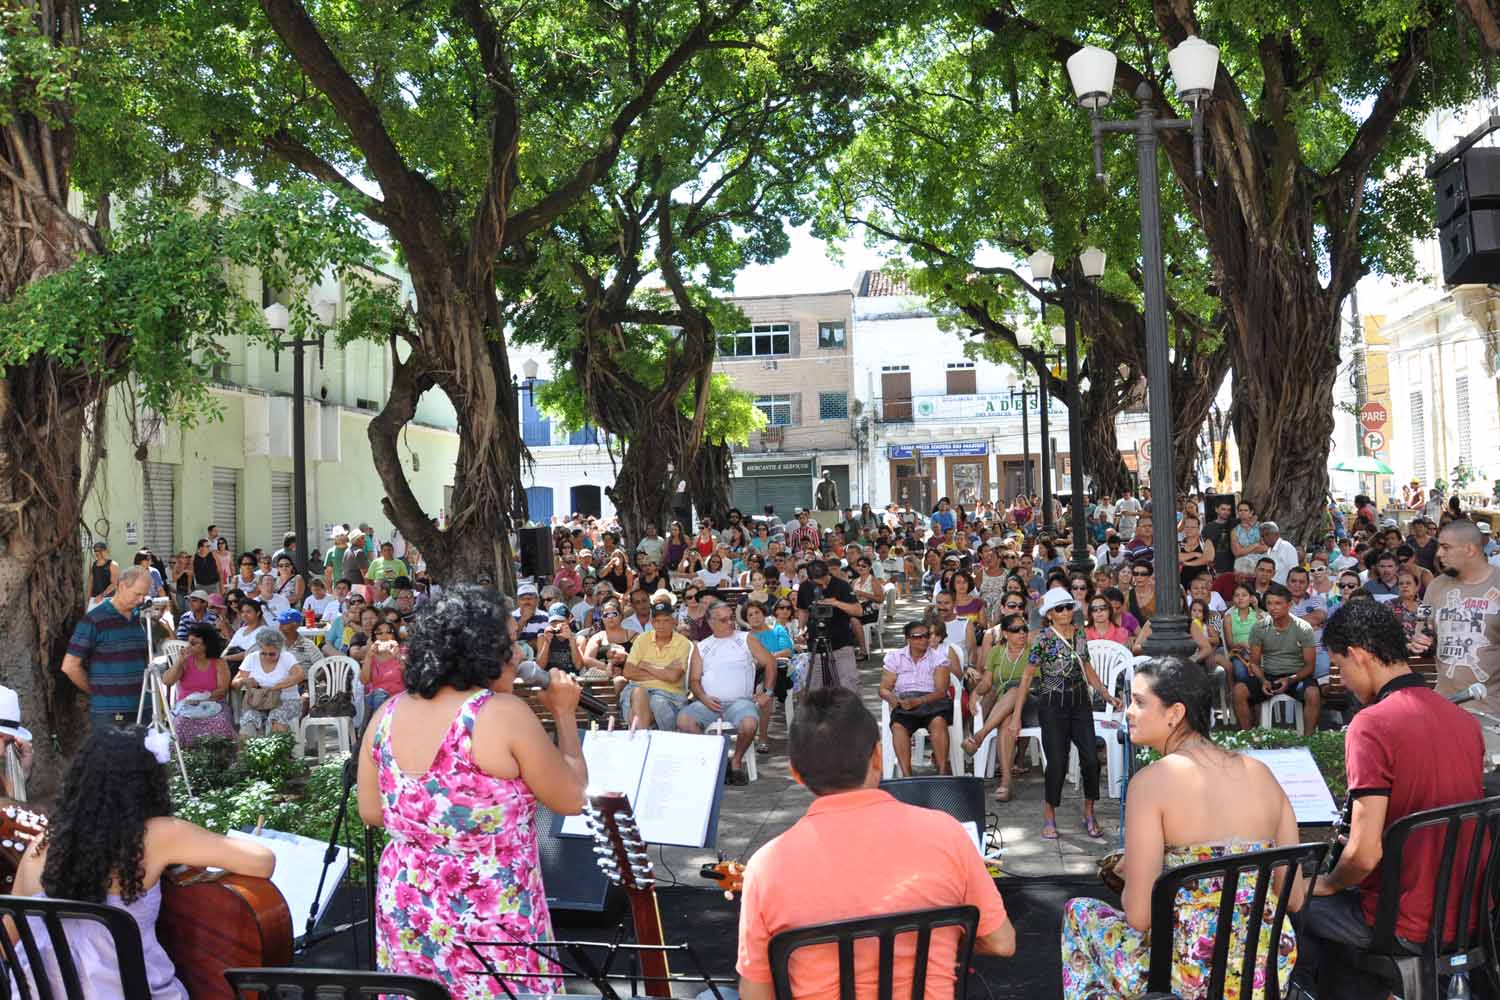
(350, 776)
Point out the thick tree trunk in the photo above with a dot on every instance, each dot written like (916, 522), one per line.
(708, 482)
(642, 492)
(1283, 390)
(455, 354)
(41, 563)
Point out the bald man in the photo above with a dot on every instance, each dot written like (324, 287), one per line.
(1465, 601)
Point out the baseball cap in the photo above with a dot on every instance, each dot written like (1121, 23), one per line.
(198, 595)
(526, 590)
(288, 618)
(661, 608)
(215, 601)
(336, 532)
(1484, 527)
(1054, 599)
(558, 612)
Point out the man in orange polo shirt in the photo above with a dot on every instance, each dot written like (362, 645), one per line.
(859, 853)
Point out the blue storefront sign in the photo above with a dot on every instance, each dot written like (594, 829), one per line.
(941, 449)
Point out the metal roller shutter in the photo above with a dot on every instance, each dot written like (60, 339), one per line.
(226, 506)
(158, 507)
(784, 493)
(281, 509)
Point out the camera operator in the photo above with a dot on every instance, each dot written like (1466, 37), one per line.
(827, 609)
(108, 651)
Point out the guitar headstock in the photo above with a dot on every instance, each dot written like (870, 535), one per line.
(622, 854)
(730, 875)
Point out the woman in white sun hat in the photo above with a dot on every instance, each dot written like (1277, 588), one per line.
(13, 734)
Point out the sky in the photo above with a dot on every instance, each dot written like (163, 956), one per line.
(808, 268)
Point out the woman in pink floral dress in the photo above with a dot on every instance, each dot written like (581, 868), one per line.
(453, 769)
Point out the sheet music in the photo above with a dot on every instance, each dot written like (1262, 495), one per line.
(972, 829)
(678, 788)
(615, 761)
(1299, 777)
(299, 862)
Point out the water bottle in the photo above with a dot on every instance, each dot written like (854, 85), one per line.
(1458, 987)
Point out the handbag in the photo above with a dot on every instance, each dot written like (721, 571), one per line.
(334, 705)
(1110, 873)
(262, 699)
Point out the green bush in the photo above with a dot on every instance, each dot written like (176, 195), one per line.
(263, 783)
(1327, 750)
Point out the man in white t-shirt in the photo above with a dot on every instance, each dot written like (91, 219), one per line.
(1465, 602)
(723, 682)
(1127, 510)
(320, 600)
(1280, 551)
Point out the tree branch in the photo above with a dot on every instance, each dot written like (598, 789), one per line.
(407, 193)
(283, 144)
(554, 203)
(492, 213)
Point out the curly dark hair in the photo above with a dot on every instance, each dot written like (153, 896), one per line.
(1364, 623)
(458, 640)
(98, 830)
(213, 642)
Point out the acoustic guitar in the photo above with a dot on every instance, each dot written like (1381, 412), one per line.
(209, 922)
(624, 858)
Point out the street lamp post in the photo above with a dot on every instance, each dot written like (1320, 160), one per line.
(530, 368)
(278, 320)
(1194, 67)
(1091, 262)
(1025, 437)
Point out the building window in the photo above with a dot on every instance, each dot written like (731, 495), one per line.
(833, 406)
(1465, 431)
(1418, 437)
(961, 378)
(763, 340)
(831, 336)
(777, 408)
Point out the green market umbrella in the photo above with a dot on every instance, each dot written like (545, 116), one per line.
(1364, 463)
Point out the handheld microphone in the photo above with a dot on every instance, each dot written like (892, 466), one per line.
(538, 678)
(1474, 692)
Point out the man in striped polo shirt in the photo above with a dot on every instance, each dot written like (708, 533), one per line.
(107, 654)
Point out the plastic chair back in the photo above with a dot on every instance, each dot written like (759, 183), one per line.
(1285, 861)
(331, 984)
(1109, 660)
(170, 647)
(1470, 851)
(961, 797)
(885, 929)
(26, 912)
(330, 675)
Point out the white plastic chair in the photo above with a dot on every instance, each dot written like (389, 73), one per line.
(876, 629)
(919, 738)
(1269, 711)
(329, 676)
(170, 648)
(720, 727)
(1112, 662)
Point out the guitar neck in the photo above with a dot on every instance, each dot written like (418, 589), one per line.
(646, 915)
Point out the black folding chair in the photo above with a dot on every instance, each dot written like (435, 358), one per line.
(52, 913)
(1228, 868)
(960, 796)
(1476, 875)
(886, 928)
(331, 984)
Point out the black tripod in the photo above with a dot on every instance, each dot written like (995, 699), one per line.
(822, 651)
(351, 774)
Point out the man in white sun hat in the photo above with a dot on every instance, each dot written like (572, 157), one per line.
(12, 733)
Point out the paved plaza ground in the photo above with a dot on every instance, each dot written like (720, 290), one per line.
(752, 814)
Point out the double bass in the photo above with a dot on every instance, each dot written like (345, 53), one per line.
(209, 921)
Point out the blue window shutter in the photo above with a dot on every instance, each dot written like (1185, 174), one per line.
(536, 430)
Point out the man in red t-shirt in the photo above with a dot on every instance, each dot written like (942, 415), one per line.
(1407, 751)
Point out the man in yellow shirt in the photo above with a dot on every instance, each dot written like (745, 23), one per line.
(656, 671)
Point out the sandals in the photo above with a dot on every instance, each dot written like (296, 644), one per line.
(1092, 828)
(1049, 829)
(763, 747)
(970, 746)
(1004, 793)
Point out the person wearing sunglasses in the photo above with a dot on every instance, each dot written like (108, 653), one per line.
(997, 686)
(915, 683)
(1103, 623)
(1058, 667)
(604, 653)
